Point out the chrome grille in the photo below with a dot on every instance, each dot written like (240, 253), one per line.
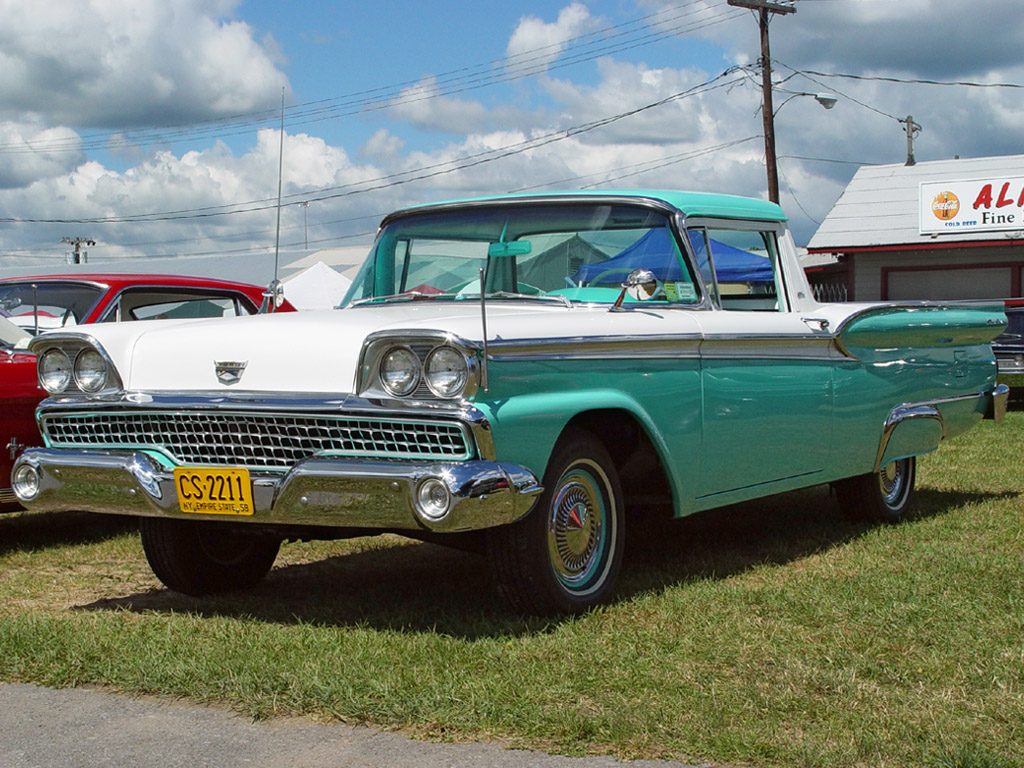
(258, 439)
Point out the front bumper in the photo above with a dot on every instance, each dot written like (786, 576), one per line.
(331, 492)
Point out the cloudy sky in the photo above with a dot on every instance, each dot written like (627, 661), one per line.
(152, 126)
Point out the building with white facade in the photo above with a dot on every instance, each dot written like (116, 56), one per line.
(950, 229)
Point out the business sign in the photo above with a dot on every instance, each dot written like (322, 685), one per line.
(981, 205)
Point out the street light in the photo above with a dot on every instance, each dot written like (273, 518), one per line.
(827, 100)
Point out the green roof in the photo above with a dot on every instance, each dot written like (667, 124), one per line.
(689, 203)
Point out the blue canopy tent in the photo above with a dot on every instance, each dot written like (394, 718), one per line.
(656, 252)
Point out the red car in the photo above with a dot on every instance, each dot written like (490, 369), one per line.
(31, 305)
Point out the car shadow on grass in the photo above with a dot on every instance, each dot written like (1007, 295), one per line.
(33, 531)
(415, 587)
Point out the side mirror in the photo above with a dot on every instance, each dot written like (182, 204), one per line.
(273, 297)
(640, 284)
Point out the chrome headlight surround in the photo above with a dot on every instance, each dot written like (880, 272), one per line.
(454, 378)
(54, 370)
(87, 368)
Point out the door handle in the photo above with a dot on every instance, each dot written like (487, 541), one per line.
(822, 323)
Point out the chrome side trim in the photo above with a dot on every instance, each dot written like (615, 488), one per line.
(596, 348)
(897, 416)
(718, 347)
(995, 404)
(320, 492)
(820, 348)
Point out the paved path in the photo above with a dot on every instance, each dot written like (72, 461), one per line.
(85, 728)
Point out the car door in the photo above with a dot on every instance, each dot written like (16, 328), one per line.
(766, 372)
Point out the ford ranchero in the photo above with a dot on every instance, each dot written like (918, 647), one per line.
(524, 370)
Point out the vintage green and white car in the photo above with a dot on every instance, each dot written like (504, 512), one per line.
(525, 371)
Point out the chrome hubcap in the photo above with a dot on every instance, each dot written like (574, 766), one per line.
(577, 527)
(891, 481)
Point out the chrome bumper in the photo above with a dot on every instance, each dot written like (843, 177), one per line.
(1011, 371)
(332, 492)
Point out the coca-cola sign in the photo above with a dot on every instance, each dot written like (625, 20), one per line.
(977, 205)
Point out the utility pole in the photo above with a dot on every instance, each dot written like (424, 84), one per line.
(77, 243)
(764, 7)
(305, 223)
(912, 130)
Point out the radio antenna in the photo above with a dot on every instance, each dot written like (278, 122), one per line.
(273, 294)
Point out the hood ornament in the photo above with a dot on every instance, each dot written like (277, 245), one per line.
(229, 371)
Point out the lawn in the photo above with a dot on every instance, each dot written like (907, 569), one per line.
(774, 633)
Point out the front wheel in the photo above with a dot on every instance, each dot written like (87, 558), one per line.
(881, 496)
(564, 556)
(200, 558)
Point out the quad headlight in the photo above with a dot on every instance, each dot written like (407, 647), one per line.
(400, 371)
(54, 369)
(90, 371)
(424, 369)
(74, 366)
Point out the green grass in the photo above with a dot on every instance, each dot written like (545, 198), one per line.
(774, 633)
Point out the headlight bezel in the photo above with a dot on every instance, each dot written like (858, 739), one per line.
(73, 346)
(370, 381)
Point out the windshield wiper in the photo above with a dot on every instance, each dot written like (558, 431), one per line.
(533, 296)
(404, 296)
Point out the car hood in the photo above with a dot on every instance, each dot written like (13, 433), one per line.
(319, 351)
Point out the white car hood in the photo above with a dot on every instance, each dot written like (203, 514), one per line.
(318, 352)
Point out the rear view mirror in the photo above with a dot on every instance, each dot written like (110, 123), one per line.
(514, 248)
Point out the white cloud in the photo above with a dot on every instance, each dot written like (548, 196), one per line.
(130, 63)
(424, 106)
(539, 43)
(22, 160)
(148, 62)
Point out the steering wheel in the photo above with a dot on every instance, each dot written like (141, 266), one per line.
(611, 271)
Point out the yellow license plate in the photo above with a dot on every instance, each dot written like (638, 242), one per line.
(208, 491)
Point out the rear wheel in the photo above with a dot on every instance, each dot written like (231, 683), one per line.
(198, 558)
(564, 556)
(881, 496)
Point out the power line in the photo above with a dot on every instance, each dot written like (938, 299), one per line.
(396, 179)
(907, 80)
(587, 47)
(629, 171)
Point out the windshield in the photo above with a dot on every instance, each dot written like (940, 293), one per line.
(577, 252)
(12, 336)
(47, 305)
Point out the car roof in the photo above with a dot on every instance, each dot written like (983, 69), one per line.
(120, 279)
(688, 203)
